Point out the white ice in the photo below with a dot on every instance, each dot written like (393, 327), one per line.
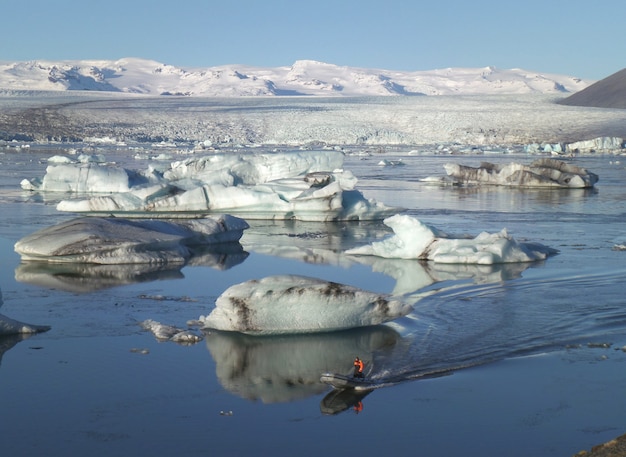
(165, 332)
(297, 304)
(412, 239)
(302, 185)
(540, 173)
(124, 241)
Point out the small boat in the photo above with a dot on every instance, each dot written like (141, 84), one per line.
(339, 381)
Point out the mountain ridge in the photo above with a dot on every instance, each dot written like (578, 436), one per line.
(609, 92)
(303, 78)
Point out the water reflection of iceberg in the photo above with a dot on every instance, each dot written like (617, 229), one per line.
(413, 275)
(323, 243)
(286, 368)
(84, 277)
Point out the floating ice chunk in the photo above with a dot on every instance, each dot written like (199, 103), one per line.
(601, 144)
(540, 173)
(165, 332)
(10, 326)
(297, 304)
(413, 239)
(124, 241)
(60, 159)
(391, 163)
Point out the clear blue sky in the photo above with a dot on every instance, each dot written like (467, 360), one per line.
(569, 37)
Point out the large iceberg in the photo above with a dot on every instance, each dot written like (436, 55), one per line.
(302, 185)
(126, 241)
(412, 239)
(541, 173)
(297, 304)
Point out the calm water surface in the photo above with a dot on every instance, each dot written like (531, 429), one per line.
(493, 361)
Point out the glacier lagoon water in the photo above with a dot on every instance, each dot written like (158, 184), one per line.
(504, 360)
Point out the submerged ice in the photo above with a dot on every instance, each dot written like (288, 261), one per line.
(298, 304)
(412, 239)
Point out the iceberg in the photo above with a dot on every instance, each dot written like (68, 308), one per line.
(541, 173)
(600, 144)
(113, 240)
(412, 239)
(301, 185)
(285, 304)
(81, 177)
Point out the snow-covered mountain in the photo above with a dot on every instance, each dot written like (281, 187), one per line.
(304, 77)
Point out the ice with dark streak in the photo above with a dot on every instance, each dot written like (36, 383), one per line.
(284, 304)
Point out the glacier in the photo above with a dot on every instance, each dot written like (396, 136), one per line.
(285, 304)
(413, 239)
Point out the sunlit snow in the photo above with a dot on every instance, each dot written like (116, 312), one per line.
(304, 77)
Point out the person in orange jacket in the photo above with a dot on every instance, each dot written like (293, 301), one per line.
(358, 368)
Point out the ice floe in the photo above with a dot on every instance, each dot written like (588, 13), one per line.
(126, 241)
(164, 332)
(297, 304)
(413, 239)
(540, 173)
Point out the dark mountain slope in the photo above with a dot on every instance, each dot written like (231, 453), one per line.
(609, 92)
